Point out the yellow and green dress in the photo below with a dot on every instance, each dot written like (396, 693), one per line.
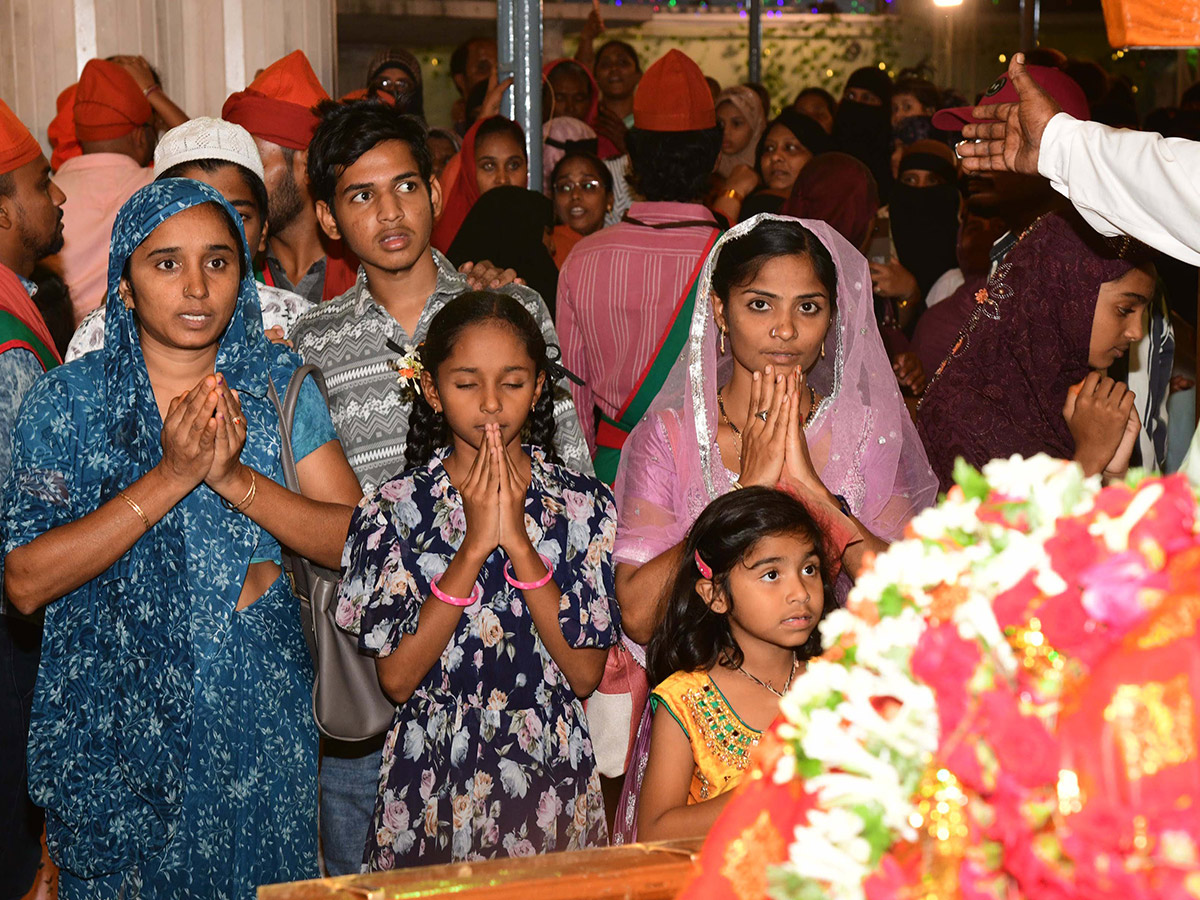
(721, 741)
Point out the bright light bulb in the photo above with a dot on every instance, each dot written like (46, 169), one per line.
(947, 2)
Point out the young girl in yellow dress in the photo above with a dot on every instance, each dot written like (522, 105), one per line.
(741, 620)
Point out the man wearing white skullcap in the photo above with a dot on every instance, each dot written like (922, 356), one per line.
(224, 156)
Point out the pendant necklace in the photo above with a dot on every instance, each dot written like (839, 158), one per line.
(761, 683)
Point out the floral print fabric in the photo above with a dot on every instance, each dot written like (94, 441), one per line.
(491, 755)
(172, 742)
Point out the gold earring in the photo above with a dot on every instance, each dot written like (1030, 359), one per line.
(822, 351)
(722, 341)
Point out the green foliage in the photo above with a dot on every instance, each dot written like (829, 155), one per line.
(974, 485)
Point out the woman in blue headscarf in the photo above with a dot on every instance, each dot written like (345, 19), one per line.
(172, 743)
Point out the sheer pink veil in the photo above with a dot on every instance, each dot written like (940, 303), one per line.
(862, 439)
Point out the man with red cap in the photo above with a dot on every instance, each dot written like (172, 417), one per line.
(625, 293)
(30, 229)
(277, 109)
(114, 125)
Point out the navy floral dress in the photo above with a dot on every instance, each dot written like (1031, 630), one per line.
(491, 755)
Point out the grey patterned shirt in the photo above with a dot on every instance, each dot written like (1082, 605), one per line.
(347, 338)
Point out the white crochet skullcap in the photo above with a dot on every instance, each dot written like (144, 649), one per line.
(207, 138)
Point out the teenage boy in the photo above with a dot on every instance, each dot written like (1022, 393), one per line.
(371, 173)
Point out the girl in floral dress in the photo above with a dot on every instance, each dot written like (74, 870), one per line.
(482, 580)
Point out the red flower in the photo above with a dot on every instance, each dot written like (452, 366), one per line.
(1023, 746)
(946, 662)
(1012, 607)
(1072, 549)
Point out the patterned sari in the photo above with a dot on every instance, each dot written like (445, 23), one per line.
(171, 742)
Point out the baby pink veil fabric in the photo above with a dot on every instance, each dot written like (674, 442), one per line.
(862, 440)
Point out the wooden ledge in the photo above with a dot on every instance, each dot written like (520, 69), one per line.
(635, 872)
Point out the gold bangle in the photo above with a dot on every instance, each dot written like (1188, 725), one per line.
(243, 504)
(137, 509)
(734, 194)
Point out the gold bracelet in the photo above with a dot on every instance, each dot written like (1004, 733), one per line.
(734, 194)
(243, 504)
(137, 509)
(251, 494)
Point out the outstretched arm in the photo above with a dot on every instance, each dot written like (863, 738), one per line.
(1122, 182)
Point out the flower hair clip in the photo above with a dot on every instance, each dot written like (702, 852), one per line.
(407, 365)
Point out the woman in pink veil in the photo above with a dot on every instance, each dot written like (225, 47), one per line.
(800, 298)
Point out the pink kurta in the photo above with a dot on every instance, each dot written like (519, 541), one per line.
(616, 293)
(96, 185)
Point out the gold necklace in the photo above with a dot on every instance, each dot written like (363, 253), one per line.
(813, 401)
(761, 683)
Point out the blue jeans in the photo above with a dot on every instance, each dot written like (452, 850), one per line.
(349, 785)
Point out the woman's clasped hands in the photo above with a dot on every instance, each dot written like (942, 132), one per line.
(203, 433)
(493, 495)
(773, 442)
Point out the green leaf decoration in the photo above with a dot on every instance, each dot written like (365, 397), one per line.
(974, 485)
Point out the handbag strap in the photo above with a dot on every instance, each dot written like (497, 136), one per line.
(287, 417)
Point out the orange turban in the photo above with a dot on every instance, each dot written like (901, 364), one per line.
(62, 130)
(108, 103)
(673, 96)
(17, 146)
(277, 105)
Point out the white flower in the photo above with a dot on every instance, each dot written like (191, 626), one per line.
(831, 849)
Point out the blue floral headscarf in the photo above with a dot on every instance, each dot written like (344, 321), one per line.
(145, 632)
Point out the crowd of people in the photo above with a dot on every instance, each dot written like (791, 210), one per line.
(593, 449)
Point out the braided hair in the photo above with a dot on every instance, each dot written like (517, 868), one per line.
(428, 430)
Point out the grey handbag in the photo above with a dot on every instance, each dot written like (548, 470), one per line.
(348, 703)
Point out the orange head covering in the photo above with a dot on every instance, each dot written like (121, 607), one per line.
(17, 146)
(61, 131)
(460, 196)
(108, 103)
(277, 106)
(673, 96)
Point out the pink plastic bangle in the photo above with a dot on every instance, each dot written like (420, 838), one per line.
(529, 585)
(476, 593)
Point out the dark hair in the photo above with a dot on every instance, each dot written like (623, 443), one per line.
(602, 171)
(672, 165)
(458, 59)
(570, 67)
(501, 125)
(824, 95)
(619, 45)
(427, 430)
(927, 93)
(348, 130)
(691, 636)
(258, 190)
(8, 184)
(741, 260)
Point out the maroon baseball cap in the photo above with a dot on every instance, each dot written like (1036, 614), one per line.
(1059, 85)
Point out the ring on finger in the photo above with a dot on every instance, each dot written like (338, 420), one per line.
(238, 420)
(761, 415)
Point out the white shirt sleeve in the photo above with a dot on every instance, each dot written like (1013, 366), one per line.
(1128, 182)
